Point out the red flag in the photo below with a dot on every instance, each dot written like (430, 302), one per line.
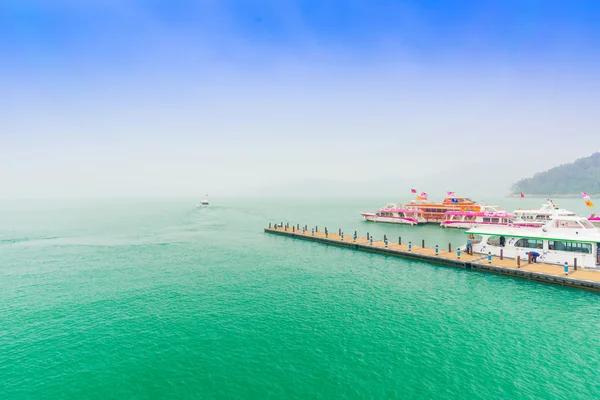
(522, 195)
(413, 190)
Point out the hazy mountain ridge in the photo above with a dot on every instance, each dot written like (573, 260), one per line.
(582, 175)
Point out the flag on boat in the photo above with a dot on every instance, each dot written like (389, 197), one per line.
(522, 195)
(423, 196)
(586, 198)
(413, 190)
(451, 194)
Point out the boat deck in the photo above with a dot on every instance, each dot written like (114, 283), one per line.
(585, 279)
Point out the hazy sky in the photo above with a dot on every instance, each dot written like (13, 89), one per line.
(247, 97)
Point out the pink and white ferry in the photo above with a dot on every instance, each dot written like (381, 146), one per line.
(489, 215)
(396, 214)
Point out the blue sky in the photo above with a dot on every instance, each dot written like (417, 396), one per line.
(156, 97)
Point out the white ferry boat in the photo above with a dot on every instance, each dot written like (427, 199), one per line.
(562, 239)
(539, 217)
(203, 203)
(489, 215)
(396, 214)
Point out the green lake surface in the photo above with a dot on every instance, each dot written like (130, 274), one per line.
(155, 298)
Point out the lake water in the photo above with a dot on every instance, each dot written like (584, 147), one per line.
(158, 299)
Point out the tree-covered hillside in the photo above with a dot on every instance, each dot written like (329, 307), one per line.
(582, 175)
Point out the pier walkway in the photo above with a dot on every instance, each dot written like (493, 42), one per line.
(584, 279)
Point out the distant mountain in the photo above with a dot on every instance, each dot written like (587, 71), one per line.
(583, 175)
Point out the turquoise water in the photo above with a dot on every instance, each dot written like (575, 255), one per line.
(157, 299)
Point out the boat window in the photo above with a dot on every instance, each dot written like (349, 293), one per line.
(586, 224)
(530, 243)
(485, 219)
(401, 215)
(496, 220)
(570, 246)
(568, 224)
(494, 241)
(477, 239)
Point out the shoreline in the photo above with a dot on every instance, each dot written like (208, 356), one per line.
(550, 196)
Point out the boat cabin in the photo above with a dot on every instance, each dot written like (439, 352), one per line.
(563, 239)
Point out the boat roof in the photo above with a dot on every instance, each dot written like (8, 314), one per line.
(498, 214)
(545, 232)
(404, 210)
(546, 208)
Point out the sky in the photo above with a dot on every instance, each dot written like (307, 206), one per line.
(112, 98)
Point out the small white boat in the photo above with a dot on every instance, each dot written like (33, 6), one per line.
(395, 214)
(203, 203)
(539, 217)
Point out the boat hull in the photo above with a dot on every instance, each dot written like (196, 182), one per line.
(390, 220)
(468, 225)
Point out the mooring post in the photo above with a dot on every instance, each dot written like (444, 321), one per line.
(437, 250)
(269, 225)
(316, 229)
(423, 243)
(298, 226)
(368, 236)
(409, 246)
(575, 263)
(326, 232)
(281, 224)
(502, 254)
(399, 240)
(490, 257)
(449, 248)
(384, 237)
(566, 268)
(293, 228)
(340, 232)
(518, 261)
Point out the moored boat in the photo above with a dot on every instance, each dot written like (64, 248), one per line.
(561, 239)
(539, 217)
(489, 215)
(396, 214)
(436, 212)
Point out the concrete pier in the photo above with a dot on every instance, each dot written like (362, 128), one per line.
(540, 272)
